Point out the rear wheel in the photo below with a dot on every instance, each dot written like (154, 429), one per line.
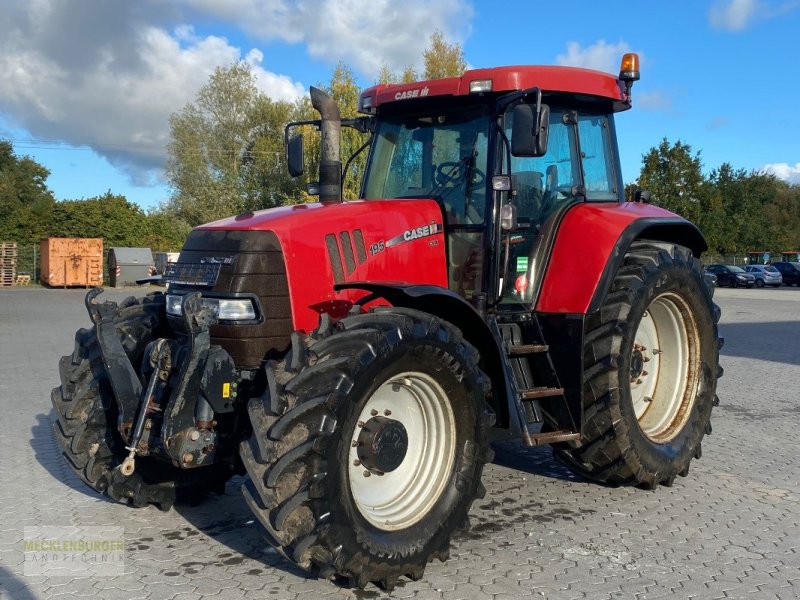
(759, 283)
(650, 369)
(367, 451)
(86, 427)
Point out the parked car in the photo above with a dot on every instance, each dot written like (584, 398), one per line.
(710, 278)
(790, 271)
(732, 275)
(765, 275)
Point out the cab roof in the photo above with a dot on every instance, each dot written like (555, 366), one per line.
(552, 79)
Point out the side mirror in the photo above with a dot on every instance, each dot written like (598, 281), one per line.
(508, 217)
(529, 134)
(294, 156)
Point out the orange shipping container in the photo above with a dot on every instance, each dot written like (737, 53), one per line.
(72, 262)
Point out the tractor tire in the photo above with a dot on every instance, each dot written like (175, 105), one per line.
(368, 448)
(86, 427)
(650, 368)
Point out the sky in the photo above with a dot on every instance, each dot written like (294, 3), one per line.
(87, 86)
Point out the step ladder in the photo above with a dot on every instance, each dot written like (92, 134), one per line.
(527, 356)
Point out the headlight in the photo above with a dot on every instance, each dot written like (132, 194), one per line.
(226, 309)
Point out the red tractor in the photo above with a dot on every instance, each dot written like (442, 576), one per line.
(353, 357)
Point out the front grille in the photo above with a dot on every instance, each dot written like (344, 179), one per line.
(193, 274)
(230, 263)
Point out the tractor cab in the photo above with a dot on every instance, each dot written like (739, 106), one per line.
(504, 152)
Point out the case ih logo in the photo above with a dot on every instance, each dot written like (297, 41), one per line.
(415, 233)
(408, 94)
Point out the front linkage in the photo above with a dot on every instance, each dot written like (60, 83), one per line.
(173, 417)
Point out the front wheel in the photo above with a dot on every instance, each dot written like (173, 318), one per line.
(368, 448)
(759, 283)
(650, 369)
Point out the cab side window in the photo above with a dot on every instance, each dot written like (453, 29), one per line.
(597, 157)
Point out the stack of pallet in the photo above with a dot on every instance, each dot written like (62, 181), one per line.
(8, 263)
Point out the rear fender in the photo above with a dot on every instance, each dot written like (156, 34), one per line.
(590, 247)
(450, 307)
(675, 231)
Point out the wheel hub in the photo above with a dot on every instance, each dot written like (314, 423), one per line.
(637, 364)
(382, 444)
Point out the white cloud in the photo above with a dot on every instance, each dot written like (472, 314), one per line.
(102, 76)
(600, 56)
(362, 33)
(733, 15)
(784, 171)
(738, 15)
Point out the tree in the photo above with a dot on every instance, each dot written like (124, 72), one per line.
(782, 214)
(443, 59)
(165, 232)
(440, 59)
(345, 92)
(109, 216)
(264, 175)
(673, 175)
(210, 139)
(25, 199)
(409, 75)
(386, 75)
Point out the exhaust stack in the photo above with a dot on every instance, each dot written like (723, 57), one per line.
(330, 165)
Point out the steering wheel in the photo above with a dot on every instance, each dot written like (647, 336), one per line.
(449, 173)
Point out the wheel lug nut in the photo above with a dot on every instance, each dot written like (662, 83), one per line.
(646, 359)
(356, 463)
(644, 373)
(367, 473)
(387, 412)
(638, 381)
(373, 412)
(354, 443)
(361, 423)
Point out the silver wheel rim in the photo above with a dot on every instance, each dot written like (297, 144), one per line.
(665, 367)
(402, 497)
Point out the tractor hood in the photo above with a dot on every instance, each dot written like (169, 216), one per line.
(389, 241)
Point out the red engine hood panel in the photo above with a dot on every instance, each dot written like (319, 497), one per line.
(399, 241)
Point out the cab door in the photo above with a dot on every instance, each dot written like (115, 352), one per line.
(580, 165)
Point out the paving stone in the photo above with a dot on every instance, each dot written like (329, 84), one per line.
(729, 529)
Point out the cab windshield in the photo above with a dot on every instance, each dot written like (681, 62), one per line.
(441, 155)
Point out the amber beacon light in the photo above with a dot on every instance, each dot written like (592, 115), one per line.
(629, 72)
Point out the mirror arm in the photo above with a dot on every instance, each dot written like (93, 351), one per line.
(316, 123)
(352, 157)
